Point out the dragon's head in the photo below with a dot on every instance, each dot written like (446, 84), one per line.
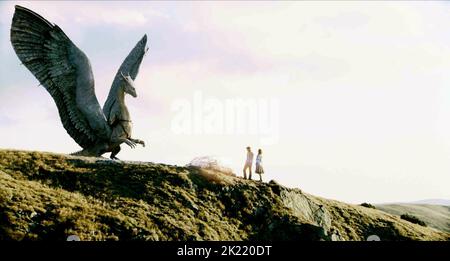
(129, 85)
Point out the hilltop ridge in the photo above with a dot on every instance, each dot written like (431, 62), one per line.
(47, 196)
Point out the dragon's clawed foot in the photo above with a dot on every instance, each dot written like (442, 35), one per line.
(140, 142)
(136, 141)
(130, 143)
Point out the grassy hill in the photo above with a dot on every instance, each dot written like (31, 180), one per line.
(433, 215)
(46, 196)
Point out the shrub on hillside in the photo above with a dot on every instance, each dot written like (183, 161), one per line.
(368, 205)
(413, 219)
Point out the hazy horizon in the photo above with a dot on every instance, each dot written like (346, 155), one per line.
(351, 99)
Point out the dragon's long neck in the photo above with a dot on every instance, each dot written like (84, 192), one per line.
(121, 96)
(121, 104)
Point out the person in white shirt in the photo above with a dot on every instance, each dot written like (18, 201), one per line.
(248, 163)
(259, 168)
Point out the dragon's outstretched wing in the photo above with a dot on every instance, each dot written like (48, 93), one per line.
(64, 70)
(129, 66)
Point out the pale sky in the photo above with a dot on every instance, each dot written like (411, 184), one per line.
(362, 88)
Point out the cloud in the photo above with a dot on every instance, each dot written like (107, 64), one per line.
(356, 33)
(134, 14)
(77, 18)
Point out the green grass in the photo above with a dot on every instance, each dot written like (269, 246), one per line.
(46, 196)
(432, 215)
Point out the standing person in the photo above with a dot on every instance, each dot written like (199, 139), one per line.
(259, 168)
(248, 163)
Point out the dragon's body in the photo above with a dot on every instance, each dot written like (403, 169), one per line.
(65, 71)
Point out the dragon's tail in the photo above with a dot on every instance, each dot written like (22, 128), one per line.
(94, 151)
(87, 153)
(79, 153)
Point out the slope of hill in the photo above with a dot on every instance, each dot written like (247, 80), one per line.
(46, 196)
(433, 201)
(433, 215)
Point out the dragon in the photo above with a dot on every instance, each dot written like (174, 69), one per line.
(66, 73)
